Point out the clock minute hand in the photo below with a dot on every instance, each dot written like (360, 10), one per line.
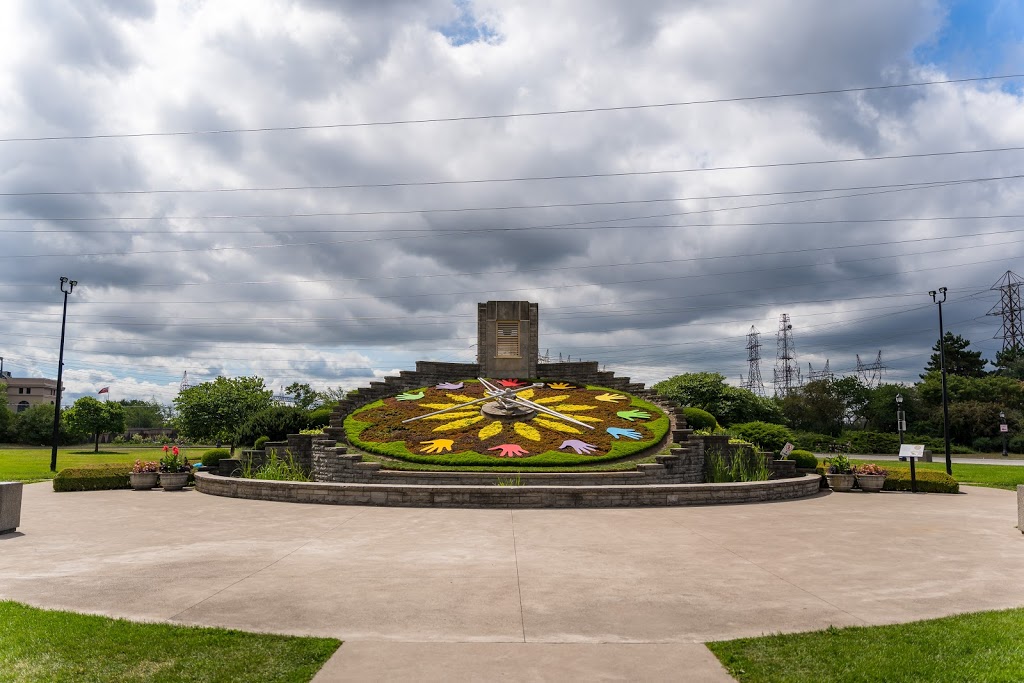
(544, 409)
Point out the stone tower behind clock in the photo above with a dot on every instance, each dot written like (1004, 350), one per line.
(507, 339)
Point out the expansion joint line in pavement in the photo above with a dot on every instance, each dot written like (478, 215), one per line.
(519, 587)
(268, 566)
(780, 578)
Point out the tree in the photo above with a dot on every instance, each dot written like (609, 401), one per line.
(146, 414)
(1010, 362)
(959, 361)
(275, 423)
(815, 407)
(879, 412)
(6, 417)
(305, 396)
(89, 416)
(708, 391)
(214, 411)
(34, 426)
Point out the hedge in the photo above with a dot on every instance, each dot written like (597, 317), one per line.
(804, 459)
(928, 481)
(699, 419)
(214, 455)
(93, 477)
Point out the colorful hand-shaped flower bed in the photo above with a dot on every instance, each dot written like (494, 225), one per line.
(605, 425)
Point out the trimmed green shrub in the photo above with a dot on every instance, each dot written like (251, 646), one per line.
(214, 455)
(804, 459)
(929, 481)
(276, 422)
(93, 477)
(260, 442)
(699, 419)
(321, 417)
(765, 434)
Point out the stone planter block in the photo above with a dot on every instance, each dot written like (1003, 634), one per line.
(226, 466)
(10, 506)
(1020, 507)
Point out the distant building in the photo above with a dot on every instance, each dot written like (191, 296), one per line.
(25, 392)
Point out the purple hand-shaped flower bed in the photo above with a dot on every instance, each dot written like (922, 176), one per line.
(604, 425)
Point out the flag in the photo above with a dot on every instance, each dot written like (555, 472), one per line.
(104, 390)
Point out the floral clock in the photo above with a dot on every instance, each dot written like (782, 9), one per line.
(485, 421)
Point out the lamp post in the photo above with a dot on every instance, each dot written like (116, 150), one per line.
(1004, 431)
(942, 366)
(901, 421)
(70, 284)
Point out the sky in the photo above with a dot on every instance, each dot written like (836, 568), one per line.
(321, 192)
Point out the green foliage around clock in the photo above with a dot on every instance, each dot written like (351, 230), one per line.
(658, 427)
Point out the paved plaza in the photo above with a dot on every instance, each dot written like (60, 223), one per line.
(449, 594)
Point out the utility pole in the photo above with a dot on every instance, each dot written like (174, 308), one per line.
(942, 365)
(60, 370)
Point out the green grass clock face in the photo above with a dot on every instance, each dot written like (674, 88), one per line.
(597, 418)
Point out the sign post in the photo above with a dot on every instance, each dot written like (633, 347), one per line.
(912, 451)
(786, 450)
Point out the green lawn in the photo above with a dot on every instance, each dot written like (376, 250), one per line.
(33, 464)
(994, 476)
(44, 645)
(986, 646)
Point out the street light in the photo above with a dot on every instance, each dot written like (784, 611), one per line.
(60, 370)
(942, 366)
(1004, 431)
(901, 421)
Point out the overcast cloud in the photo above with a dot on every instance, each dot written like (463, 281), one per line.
(237, 253)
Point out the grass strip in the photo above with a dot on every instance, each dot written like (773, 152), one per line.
(52, 646)
(985, 646)
(33, 464)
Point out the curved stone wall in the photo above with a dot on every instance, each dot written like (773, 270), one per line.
(554, 496)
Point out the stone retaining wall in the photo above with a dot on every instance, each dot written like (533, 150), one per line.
(508, 496)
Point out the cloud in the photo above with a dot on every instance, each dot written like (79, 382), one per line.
(339, 285)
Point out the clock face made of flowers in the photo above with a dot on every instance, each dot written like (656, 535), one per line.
(507, 419)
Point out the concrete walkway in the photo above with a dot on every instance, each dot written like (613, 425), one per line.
(532, 595)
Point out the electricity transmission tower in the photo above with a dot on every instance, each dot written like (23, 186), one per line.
(870, 374)
(184, 382)
(826, 373)
(1009, 307)
(753, 382)
(787, 371)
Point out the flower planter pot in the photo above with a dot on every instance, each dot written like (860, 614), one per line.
(143, 481)
(840, 482)
(173, 481)
(870, 483)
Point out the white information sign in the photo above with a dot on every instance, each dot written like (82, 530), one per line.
(787, 449)
(912, 450)
(1004, 428)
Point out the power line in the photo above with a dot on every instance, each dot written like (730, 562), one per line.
(474, 181)
(449, 232)
(483, 117)
(695, 259)
(585, 284)
(394, 212)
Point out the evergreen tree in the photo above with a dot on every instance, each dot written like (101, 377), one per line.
(959, 361)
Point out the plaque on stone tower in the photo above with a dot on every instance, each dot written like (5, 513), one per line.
(507, 339)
